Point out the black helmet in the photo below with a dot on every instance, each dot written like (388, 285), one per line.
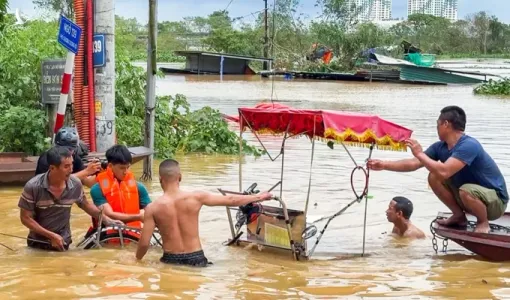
(67, 137)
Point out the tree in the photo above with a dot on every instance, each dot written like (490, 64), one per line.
(65, 7)
(4, 5)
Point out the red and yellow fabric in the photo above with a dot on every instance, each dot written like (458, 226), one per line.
(349, 128)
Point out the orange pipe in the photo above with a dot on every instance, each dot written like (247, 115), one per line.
(81, 110)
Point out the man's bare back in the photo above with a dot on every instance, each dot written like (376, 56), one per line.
(176, 214)
(176, 217)
(412, 232)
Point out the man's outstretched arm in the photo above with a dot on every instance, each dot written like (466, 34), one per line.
(210, 199)
(148, 228)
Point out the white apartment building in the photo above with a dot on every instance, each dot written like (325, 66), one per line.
(370, 10)
(439, 8)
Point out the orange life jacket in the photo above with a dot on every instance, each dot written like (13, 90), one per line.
(121, 196)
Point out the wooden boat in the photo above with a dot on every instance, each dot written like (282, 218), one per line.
(17, 168)
(493, 246)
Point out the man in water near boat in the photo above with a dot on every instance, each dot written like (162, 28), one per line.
(117, 191)
(176, 216)
(399, 213)
(68, 137)
(46, 201)
(462, 175)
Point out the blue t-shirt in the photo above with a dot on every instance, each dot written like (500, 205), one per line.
(480, 168)
(99, 199)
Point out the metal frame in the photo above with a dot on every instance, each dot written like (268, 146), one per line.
(364, 195)
(96, 236)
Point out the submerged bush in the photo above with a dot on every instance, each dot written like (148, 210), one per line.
(494, 87)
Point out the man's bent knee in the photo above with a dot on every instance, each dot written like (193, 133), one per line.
(434, 179)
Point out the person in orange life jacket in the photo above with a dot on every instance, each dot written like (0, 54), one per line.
(117, 191)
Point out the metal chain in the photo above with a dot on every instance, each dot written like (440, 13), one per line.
(434, 239)
(445, 245)
(434, 243)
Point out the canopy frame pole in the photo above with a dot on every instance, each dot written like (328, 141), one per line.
(286, 137)
(311, 164)
(366, 200)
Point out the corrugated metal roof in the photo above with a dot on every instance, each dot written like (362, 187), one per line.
(226, 55)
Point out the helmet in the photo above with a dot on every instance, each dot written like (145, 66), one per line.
(67, 137)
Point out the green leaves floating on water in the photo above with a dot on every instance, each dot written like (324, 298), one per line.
(494, 87)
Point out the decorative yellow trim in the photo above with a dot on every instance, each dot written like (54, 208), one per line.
(360, 140)
(356, 140)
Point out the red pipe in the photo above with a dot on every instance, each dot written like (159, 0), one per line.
(81, 109)
(90, 75)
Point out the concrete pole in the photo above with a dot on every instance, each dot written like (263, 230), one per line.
(266, 37)
(150, 96)
(105, 77)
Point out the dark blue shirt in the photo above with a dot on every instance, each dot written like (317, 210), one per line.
(480, 168)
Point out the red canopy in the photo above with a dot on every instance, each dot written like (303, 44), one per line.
(351, 128)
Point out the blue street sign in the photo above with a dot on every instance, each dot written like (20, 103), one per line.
(69, 34)
(98, 51)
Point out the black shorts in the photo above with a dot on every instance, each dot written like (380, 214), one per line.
(195, 259)
(44, 246)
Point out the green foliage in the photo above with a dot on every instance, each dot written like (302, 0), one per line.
(64, 6)
(23, 49)
(23, 130)
(23, 123)
(494, 87)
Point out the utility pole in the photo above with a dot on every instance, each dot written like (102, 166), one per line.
(266, 38)
(150, 96)
(105, 77)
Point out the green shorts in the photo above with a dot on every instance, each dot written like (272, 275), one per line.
(495, 206)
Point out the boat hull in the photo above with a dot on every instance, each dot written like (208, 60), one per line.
(17, 168)
(493, 246)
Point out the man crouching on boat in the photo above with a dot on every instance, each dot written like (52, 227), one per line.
(176, 216)
(399, 213)
(462, 175)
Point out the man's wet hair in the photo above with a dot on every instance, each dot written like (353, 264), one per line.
(169, 168)
(455, 116)
(56, 154)
(119, 155)
(404, 205)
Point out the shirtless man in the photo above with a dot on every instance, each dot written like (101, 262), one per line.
(399, 212)
(176, 216)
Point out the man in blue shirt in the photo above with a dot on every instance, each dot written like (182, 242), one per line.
(462, 175)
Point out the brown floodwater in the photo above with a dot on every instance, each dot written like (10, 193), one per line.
(392, 268)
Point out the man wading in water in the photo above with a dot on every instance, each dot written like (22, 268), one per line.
(399, 213)
(46, 201)
(176, 216)
(462, 175)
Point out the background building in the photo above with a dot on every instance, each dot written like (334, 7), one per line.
(439, 8)
(370, 10)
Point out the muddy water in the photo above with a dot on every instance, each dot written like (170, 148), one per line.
(392, 268)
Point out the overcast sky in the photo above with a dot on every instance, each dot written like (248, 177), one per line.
(174, 10)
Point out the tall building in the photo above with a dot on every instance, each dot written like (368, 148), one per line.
(370, 10)
(439, 8)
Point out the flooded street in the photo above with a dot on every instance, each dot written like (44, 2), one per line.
(391, 269)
